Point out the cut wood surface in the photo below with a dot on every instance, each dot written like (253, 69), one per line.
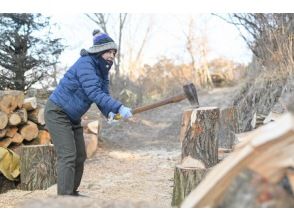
(91, 142)
(37, 116)
(30, 103)
(11, 131)
(200, 139)
(10, 100)
(94, 127)
(37, 167)
(17, 138)
(5, 142)
(29, 131)
(42, 138)
(3, 120)
(269, 153)
(3, 132)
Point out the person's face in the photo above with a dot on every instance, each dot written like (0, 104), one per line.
(109, 55)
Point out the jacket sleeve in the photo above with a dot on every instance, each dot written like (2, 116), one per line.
(92, 85)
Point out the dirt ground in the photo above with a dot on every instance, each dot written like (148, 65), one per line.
(133, 166)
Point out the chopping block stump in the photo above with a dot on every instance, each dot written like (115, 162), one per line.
(37, 167)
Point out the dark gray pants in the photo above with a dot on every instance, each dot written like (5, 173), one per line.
(69, 144)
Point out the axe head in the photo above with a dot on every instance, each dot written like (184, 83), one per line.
(191, 94)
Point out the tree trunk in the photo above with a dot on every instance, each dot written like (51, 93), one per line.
(30, 103)
(228, 127)
(186, 178)
(3, 120)
(37, 167)
(29, 131)
(200, 139)
(37, 116)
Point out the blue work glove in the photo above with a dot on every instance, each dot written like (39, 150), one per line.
(125, 112)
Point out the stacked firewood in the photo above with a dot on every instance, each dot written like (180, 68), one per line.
(21, 121)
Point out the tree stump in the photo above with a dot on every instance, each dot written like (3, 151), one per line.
(200, 139)
(37, 167)
(186, 177)
(228, 127)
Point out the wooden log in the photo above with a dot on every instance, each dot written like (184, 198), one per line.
(37, 116)
(16, 148)
(228, 127)
(17, 138)
(250, 190)
(186, 117)
(3, 120)
(3, 132)
(43, 138)
(11, 131)
(200, 139)
(29, 131)
(5, 142)
(14, 119)
(186, 177)
(269, 152)
(94, 127)
(10, 100)
(37, 167)
(30, 103)
(91, 142)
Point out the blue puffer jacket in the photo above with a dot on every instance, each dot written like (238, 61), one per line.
(87, 81)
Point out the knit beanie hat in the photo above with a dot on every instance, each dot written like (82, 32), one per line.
(101, 42)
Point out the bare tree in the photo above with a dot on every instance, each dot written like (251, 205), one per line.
(197, 48)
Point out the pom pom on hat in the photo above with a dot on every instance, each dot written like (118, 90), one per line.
(101, 42)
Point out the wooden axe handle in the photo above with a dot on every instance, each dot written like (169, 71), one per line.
(173, 99)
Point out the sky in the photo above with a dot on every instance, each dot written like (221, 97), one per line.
(166, 37)
(170, 18)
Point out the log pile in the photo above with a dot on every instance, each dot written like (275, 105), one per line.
(258, 173)
(21, 121)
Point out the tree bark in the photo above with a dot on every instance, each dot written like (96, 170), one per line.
(201, 133)
(228, 127)
(37, 167)
(250, 190)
